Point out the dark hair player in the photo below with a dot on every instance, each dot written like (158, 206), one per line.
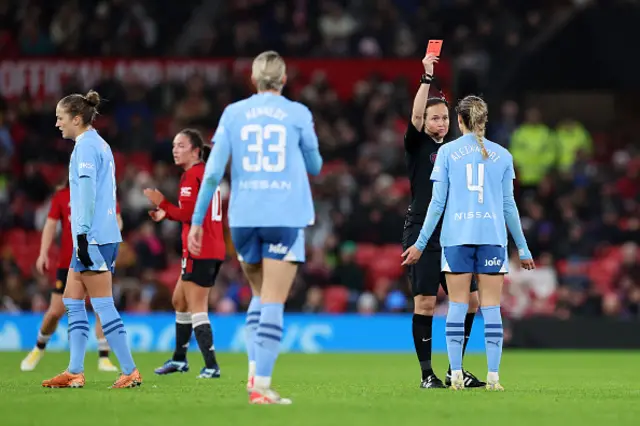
(425, 134)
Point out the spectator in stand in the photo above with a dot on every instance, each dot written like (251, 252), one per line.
(150, 251)
(530, 293)
(33, 184)
(33, 41)
(367, 304)
(336, 27)
(13, 296)
(65, 29)
(194, 109)
(347, 273)
(534, 150)
(355, 203)
(596, 199)
(502, 131)
(572, 139)
(6, 141)
(627, 283)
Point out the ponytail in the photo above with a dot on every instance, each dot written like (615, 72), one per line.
(474, 113)
(206, 150)
(478, 121)
(85, 106)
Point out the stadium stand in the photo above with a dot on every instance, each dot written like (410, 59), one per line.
(581, 216)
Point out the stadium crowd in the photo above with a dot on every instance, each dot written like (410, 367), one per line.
(579, 199)
(327, 28)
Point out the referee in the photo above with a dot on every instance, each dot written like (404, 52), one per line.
(425, 134)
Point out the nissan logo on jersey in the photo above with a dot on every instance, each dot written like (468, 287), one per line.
(433, 157)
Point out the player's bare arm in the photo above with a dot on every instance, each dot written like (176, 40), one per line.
(48, 232)
(157, 215)
(120, 222)
(411, 256)
(154, 195)
(195, 239)
(420, 101)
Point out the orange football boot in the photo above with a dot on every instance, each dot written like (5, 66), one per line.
(267, 397)
(65, 380)
(128, 380)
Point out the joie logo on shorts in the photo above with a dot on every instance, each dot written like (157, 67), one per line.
(278, 248)
(493, 262)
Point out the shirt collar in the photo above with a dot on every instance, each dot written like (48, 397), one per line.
(82, 135)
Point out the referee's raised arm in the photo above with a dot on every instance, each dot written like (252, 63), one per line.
(420, 101)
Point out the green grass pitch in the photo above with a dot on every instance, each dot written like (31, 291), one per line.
(542, 389)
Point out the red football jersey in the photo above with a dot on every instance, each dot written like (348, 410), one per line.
(213, 246)
(61, 210)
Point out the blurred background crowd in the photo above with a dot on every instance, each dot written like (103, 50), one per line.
(578, 185)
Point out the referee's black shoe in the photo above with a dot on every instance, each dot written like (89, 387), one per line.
(432, 382)
(470, 381)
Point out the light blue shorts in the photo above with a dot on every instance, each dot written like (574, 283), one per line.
(103, 258)
(479, 259)
(280, 243)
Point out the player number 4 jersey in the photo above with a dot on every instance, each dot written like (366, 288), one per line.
(474, 213)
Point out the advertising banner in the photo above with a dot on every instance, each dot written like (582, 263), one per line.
(46, 77)
(303, 333)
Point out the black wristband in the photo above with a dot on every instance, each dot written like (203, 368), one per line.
(426, 79)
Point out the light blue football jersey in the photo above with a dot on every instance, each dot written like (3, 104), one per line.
(266, 135)
(474, 212)
(92, 159)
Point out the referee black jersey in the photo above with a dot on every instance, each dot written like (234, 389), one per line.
(420, 152)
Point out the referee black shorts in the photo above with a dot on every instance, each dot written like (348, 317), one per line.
(426, 275)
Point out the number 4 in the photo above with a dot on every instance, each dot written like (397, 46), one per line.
(479, 188)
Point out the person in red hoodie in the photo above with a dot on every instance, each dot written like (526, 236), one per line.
(191, 295)
(60, 211)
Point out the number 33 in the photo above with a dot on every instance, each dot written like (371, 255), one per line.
(262, 133)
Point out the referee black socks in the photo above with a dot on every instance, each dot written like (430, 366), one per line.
(422, 335)
(468, 323)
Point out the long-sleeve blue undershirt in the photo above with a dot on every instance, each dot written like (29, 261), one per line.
(87, 207)
(312, 161)
(512, 219)
(434, 213)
